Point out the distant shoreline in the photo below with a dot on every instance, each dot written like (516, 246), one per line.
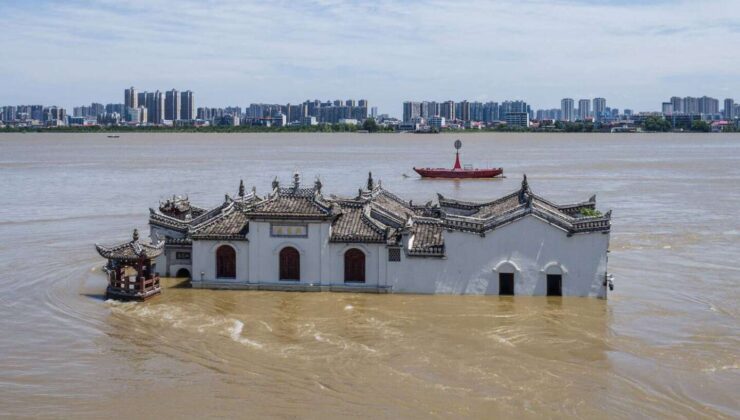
(312, 129)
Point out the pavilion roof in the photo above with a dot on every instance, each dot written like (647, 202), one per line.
(133, 250)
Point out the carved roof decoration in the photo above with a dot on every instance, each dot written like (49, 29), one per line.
(376, 215)
(133, 250)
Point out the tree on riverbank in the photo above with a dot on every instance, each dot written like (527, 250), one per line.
(658, 124)
(700, 126)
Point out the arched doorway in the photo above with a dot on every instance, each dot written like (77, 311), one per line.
(290, 264)
(354, 266)
(554, 276)
(183, 273)
(506, 278)
(225, 262)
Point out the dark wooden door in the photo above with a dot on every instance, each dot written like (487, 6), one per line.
(225, 262)
(554, 285)
(290, 264)
(506, 284)
(354, 266)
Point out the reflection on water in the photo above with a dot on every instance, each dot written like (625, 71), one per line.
(664, 344)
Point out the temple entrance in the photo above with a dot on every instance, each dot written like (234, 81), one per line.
(183, 273)
(354, 266)
(290, 264)
(225, 262)
(554, 285)
(506, 284)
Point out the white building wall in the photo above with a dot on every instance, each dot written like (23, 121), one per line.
(166, 263)
(204, 261)
(265, 252)
(530, 247)
(374, 269)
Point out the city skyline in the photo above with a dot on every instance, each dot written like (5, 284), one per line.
(242, 52)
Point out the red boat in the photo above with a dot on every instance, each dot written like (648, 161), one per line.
(458, 171)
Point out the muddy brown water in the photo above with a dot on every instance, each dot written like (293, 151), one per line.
(665, 344)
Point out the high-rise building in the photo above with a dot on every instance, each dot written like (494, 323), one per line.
(491, 112)
(708, 106)
(374, 112)
(9, 113)
(447, 110)
(464, 113)
(584, 109)
(729, 111)
(667, 108)
(677, 104)
(567, 110)
(599, 109)
(362, 102)
(411, 110)
(187, 106)
(130, 98)
(172, 105)
(155, 107)
(141, 99)
(690, 105)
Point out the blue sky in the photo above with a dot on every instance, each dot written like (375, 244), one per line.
(233, 52)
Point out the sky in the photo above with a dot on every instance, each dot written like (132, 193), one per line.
(636, 54)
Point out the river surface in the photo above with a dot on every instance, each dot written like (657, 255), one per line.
(665, 344)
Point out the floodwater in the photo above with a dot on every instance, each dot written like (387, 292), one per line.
(664, 345)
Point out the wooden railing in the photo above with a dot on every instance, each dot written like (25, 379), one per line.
(141, 285)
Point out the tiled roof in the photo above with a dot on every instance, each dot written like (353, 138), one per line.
(131, 251)
(376, 215)
(232, 225)
(355, 225)
(426, 237)
(293, 202)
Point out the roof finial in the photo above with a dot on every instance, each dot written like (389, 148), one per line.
(275, 183)
(136, 235)
(296, 180)
(254, 190)
(241, 188)
(317, 184)
(525, 194)
(370, 183)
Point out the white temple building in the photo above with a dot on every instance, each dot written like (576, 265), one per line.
(295, 238)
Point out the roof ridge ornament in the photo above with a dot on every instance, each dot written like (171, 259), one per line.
(317, 185)
(525, 194)
(296, 180)
(241, 188)
(275, 183)
(135, 235)
(370, 183)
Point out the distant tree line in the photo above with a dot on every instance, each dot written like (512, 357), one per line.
(369, 125)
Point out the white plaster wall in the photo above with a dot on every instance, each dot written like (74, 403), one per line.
(530, 244)
(204, 260)
(265, 250)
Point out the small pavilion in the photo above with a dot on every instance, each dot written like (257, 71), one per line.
(132, 256)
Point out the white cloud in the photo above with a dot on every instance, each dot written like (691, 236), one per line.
(236, 52)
